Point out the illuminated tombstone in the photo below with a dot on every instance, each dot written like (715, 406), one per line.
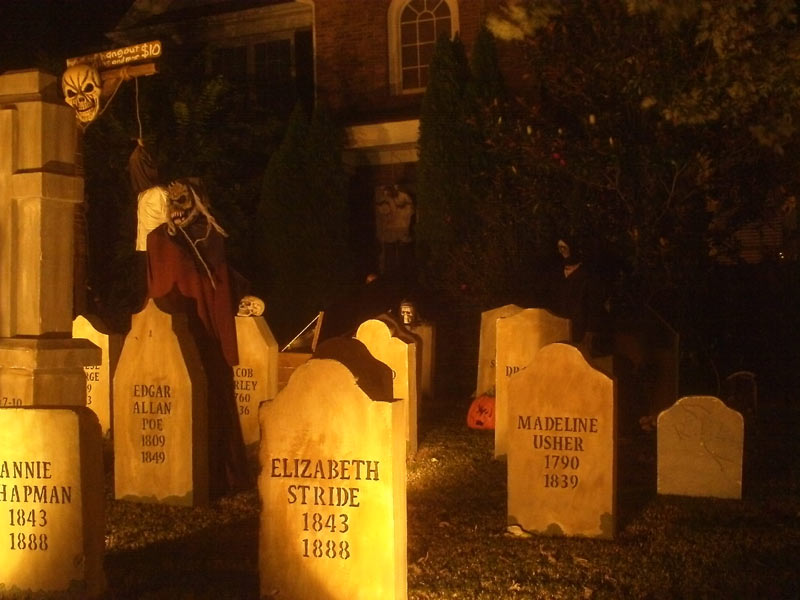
(160, 413)
(255, 378)
(399, 352)
(99, 377)
(700, 446)
(425, 334)
(487, 346)
(333, 481)
(519, 337)
(51, 499)
(561, 446)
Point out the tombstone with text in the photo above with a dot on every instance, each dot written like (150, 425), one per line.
(561, 448)
(333, 483)
(519, 337)
(401, 357)
(160, 413)
(99, 376)
(52, 502)
(255, 378)
(487, 347)
(700, 446)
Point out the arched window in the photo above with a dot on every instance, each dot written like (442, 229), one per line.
(414, 26)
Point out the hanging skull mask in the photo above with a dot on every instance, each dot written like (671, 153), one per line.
(82, 86)
(182, 205)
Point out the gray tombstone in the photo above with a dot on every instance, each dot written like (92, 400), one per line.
(561, 448)
(700, 446)
(52, 500)
(333, 482)
(160, 413)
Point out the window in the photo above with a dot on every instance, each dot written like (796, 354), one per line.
(414, 26)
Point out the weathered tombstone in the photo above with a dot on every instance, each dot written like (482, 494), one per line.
(160, 413)
(99, 377)
(487, 347)
(255, 378)
(700, 445)
(332, 483)
(561, 448)
(51, 497)
(401, 357)
(519, 337)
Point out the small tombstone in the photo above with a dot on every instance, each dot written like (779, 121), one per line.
(425, 331)
(487, 346)
(700, 445)
(561, 448)
(99, 377)
(519, 337)
(160, 413)
(401, 357)
(52, 501)
(255, 378)
(333, 482)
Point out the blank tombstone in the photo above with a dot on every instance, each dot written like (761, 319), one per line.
(333, 481)
(561, 449)
(255, 378)
(99, 377)
(487, 346)
(401, 357)
(519, 337)
(51, 483)
(160, 413)
(700, 446)
(426, 352)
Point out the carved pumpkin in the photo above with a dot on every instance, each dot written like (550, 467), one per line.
(481, 413)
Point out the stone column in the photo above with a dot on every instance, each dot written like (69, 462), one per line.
(40, 187)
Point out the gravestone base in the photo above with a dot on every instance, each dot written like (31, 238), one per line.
(36, 371)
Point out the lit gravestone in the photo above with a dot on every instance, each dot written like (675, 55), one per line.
(487, 346)
(333, 482)
(401, 357)
(519, 337)
(561, 447)
(700, 445)
(51, 503)
(255, 378)
(426, 353)
(99, 377)
(160, 413)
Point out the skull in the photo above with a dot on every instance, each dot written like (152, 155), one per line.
(251, 306)
(181, 204)
(82, 86)
(409, 312)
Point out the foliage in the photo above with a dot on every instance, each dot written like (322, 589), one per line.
(303, 222)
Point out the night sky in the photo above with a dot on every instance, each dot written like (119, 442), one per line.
(43, 33)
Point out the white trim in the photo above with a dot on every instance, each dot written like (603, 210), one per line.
(384, 143)
(393, 28)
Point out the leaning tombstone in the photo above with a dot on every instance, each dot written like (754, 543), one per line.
(160, 413)
(51, 489)
(390, 347)
(561, 448)
(487, 346)
(255, 378)
(519, 337)
(333, 481)
(100, 376)
(700, 446)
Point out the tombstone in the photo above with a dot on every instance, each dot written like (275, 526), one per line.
(99, 377)
(487, 347)
(333, 482)
(425, 332)
(519, 337)
(700, 445)
(400, 355)
(51, 497)
(561, 447)
(255, 378)
(160, 413)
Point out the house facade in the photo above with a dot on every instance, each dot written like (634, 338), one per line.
(366, 60)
